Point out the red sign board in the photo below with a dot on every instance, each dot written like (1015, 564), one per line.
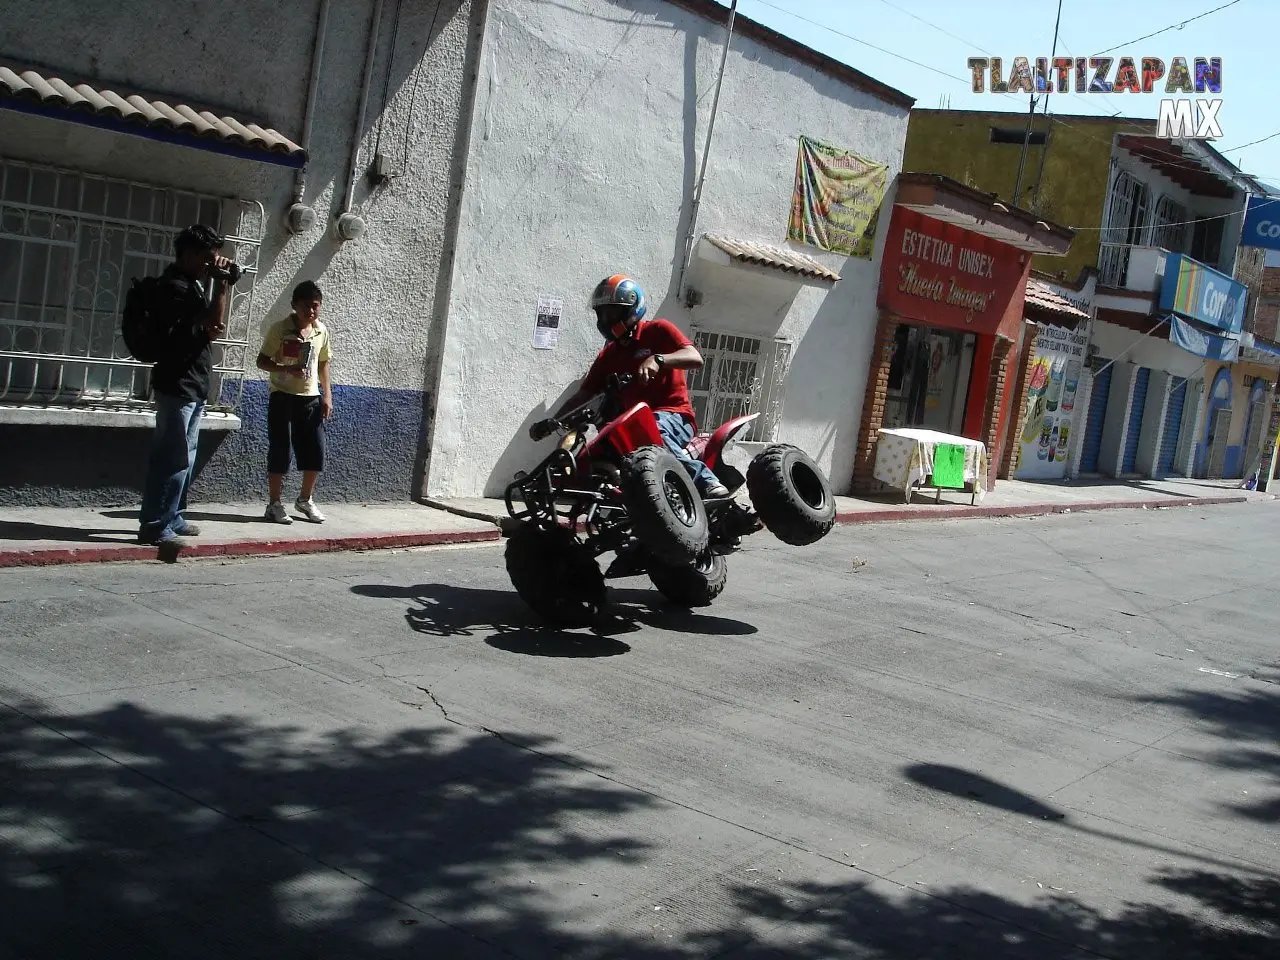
(942, 275)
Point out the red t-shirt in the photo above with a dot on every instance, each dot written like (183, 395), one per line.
(666, 391)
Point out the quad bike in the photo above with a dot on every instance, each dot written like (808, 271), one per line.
(623, 491)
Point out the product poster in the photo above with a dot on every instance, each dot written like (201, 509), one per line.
(546, 331)
(1049, 419)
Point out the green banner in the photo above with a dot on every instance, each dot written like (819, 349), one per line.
(837, 199)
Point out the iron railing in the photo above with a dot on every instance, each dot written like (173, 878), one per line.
(740, 375)
(70, 243)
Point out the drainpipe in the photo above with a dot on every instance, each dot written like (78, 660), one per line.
(300, 216)
(351, 225)
(706, 152)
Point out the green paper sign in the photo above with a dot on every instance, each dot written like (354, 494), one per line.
(948, 466)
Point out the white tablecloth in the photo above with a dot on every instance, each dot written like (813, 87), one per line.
(904, 458)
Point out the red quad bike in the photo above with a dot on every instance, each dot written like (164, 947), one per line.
(624, 492)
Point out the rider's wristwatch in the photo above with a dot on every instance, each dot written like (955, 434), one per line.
(659, 359)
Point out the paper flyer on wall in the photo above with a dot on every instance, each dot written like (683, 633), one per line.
(1050, 414)
(546, 331)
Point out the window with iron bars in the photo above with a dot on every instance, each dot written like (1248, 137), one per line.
(70, 244)
(1169, 230)
(740, 375)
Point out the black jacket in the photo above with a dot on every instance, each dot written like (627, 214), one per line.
(184, 372)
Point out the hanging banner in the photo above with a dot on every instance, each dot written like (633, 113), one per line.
(1058, 358)
(836, 202)
(1202, 344)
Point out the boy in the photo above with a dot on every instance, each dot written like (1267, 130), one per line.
(296, 353)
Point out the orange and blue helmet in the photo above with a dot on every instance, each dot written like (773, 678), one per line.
(619, 305)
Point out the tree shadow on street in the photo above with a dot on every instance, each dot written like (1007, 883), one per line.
(127, 832)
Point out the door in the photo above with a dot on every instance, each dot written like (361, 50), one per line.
(1129, 461)
(1218, 442)
(1092, 444)
(1172, 427)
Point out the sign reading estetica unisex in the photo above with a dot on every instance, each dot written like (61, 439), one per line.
(942, 275)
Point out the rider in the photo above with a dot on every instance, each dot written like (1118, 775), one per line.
(657, 354)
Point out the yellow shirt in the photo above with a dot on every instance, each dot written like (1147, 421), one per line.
(284, 345)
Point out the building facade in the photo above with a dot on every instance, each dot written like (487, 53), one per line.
(589, 134)
(1153, 398)
(446, 171)
(116, 132)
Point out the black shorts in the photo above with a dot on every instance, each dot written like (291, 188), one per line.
(296, 421)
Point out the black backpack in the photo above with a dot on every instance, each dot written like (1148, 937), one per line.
(145, 330)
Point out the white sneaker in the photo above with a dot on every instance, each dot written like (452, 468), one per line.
(276, 513)
(309, 510)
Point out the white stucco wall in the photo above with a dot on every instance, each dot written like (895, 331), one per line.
(590, 121)
(1154, 351)
(252, 59)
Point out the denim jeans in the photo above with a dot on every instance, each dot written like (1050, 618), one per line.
(676, 433)
(172, 464)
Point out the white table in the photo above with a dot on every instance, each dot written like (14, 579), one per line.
(904, 460)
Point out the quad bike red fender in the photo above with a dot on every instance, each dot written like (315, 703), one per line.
(709, 449)
(636, 428)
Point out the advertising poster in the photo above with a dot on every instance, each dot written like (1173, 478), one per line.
(1050, 415)
(836, 201)
(546, 331)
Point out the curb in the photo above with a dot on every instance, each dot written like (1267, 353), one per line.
(1029, 510)
(51, 556)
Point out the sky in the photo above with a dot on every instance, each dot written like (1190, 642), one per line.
(941, 35)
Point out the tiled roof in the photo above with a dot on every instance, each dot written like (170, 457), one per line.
(1039, 295)
(780, 258)
(53, 92)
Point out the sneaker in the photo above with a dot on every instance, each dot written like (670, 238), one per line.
(276, 514)
(716, 491)
(187, 530)
(309, 510)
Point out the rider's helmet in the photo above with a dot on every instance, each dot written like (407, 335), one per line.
(619, 305)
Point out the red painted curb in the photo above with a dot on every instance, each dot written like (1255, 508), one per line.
(960, 512)
(51, 556)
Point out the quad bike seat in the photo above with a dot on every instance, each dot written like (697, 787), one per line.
(697, 447)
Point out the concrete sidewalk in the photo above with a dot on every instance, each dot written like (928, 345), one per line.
(37, 536)
(1011, 498)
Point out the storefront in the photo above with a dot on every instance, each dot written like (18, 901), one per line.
(952, 285)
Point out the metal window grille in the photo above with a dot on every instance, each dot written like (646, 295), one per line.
(70, 243)
(740, 375)
(1170, 228)
(1125, 228)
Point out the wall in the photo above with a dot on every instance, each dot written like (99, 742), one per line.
(1154, 350)
(590, 121)
(958, 143)
(384, 294)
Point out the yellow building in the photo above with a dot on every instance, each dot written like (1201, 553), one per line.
(982, 149)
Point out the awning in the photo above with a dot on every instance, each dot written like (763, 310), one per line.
(31, 92)
(1201, 343)
(775, 258)
(1042, 296)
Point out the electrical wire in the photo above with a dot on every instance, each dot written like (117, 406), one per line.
(1172, 26)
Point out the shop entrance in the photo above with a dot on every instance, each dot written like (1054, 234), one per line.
(929, 378)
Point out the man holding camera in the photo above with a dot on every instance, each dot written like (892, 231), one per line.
(194, 318)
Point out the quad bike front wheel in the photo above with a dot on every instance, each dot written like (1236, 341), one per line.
(791, 495)
(556, 576)
(692, 584)
(667, 515)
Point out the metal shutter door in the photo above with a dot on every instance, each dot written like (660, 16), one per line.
(1140, 383)
(1097, 417)
(1172, 426)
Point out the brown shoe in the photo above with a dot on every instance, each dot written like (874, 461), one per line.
(168, 550)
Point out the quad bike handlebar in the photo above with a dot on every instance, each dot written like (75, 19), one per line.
(584, 415)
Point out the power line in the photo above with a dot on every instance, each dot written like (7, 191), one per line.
(1172, 26)
(1252, 143)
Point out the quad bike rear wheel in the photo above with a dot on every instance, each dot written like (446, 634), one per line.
(791, 495)
(667, 515)
(555, 575)
(692, 584)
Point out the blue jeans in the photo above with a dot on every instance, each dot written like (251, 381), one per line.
(172, 464)
(676, 433)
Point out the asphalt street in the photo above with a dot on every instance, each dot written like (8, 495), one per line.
(1033, 739)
